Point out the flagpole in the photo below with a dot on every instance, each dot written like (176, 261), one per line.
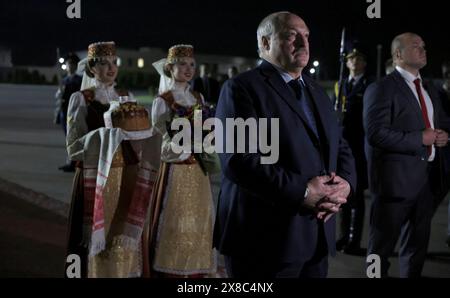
(338, 103)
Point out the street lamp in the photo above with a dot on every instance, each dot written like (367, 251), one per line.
(317, 66)
(312, 71)
(61, 60)
(141, 63)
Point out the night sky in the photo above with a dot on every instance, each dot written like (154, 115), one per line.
(34, 28)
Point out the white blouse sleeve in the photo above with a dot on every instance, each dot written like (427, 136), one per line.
(131, 96)
(76, 125)
(203, 98)
(160, 115)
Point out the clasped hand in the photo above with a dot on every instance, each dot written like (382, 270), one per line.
(438, 137)
(326, 195)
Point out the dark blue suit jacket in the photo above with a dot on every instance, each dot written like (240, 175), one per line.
(397, 159)
(259, 209)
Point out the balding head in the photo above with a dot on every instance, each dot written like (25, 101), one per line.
(269, 26)
(283, 41)
(398, 43)
(408, 51)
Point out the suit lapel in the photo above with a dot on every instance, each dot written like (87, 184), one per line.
(410, 97)
(275, 80)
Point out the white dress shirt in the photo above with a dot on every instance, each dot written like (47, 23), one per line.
(409, 79)
(355, 78)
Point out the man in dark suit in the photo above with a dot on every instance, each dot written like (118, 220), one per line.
(352, 219)
(276, 220)
(207, 85)
(403, 125)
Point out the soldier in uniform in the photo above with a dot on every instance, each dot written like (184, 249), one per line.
(355, 84)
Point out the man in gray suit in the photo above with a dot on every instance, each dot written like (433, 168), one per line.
(405, 130)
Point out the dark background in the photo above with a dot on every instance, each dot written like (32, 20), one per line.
(33, 28)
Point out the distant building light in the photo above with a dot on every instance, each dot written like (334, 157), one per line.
(119, 61)
(316, 63)
(140, 63)
(312, 71)
(61, 60)
(64, 67)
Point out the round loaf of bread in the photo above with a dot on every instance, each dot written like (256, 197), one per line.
(130, 116)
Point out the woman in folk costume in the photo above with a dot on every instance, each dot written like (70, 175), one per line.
(182, 221)
(113, 180)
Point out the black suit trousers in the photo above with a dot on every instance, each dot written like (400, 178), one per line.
(259, 267)
(409, 220)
